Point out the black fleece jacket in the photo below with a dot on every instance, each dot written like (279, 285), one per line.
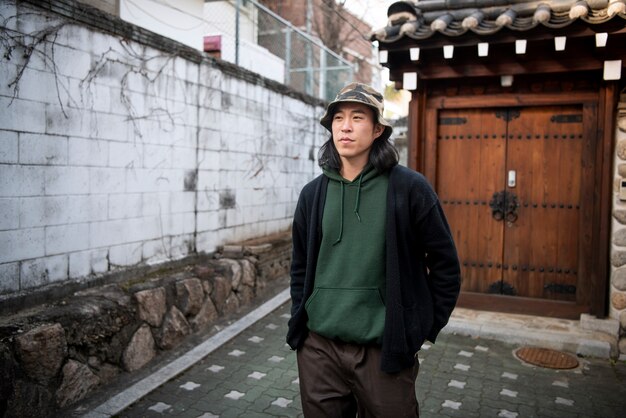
(422, 267)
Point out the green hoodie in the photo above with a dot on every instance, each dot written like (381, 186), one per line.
(348, 298)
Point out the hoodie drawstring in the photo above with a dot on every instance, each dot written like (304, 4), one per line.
(340, 217)
(358, 198)
(356, 207)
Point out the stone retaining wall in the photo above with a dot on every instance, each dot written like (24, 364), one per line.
(617, 291)
(56, 354)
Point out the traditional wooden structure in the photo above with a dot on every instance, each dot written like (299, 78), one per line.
(512, 119)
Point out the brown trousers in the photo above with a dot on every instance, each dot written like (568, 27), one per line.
(342, 380)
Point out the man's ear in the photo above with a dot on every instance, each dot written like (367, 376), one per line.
(378, 130)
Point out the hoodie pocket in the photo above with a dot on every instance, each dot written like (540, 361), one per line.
(355, 315)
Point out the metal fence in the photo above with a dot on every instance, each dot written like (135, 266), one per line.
(254, 37)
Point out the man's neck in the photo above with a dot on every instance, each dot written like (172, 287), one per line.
(350, 170)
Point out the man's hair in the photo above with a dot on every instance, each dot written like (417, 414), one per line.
(383, 155)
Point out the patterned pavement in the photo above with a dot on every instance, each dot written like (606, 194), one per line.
(255, 375)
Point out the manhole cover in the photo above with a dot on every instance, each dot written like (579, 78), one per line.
(545, 357)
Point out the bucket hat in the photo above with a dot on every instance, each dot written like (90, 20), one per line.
(358, 93)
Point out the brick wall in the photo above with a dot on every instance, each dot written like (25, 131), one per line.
(120, 148)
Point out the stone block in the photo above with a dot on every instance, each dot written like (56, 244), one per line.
(140, 351)
(66, 180)
(174, 329)
(158, 156)
(9, 213)
(140, 180)
(620, 149)
(19, 114)
(87, 208)
(107, 233)
(18, 181)
(618, 258)
(107, 372)
(206, 315)
(125, 255)
(618, 300)
(72, 62)
(210, 138)
(42, 86)
(151, 305)
(209, 180)
(209, 221)
(155, 203)
(125, 205)
(173, 224)
(182, 202)
(125, 154)
(592, 348)
(248, 272)
(622, 321)
(42, 351)
(107, 180)
(245, 294)
(117, 129)
(88, 152)
(184, 158)
(181, 246)
(21, 244)
(43, 211)
(154, 251)
(9, 277)
(619, 237)
(77, 381)
(619, 279)
(189, 296)
(43, 149)
(231, 269)
(221, 291)
(207, 241)
(607, 325)
(83, 263)
(207, 286)
(42, 271)
(8, 147)
(67, 121)
(67, 238)
(231, 304)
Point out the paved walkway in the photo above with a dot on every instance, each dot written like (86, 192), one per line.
(255, 375)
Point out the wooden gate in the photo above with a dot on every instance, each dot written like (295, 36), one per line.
(510, 181)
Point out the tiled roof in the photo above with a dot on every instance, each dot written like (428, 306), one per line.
(420, 20)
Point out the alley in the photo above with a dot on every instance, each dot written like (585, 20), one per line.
(254, 375)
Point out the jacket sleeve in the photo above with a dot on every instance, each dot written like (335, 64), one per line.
(444, 272)
(299, 254)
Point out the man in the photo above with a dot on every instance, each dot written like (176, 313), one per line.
(374, 270)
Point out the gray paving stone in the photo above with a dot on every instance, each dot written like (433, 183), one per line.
(598, 387)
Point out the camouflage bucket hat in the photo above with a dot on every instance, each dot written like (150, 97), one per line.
(358, 93)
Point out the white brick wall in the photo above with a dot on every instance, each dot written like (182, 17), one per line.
(8, 147)
(136, 166)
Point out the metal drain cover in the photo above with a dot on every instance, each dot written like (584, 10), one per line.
(545, 357)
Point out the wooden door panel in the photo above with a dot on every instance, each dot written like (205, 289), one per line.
(544, 146)
(470, 163)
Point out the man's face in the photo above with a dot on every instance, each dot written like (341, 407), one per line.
(354, 132)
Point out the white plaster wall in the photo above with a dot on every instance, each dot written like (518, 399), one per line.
(114, 154)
